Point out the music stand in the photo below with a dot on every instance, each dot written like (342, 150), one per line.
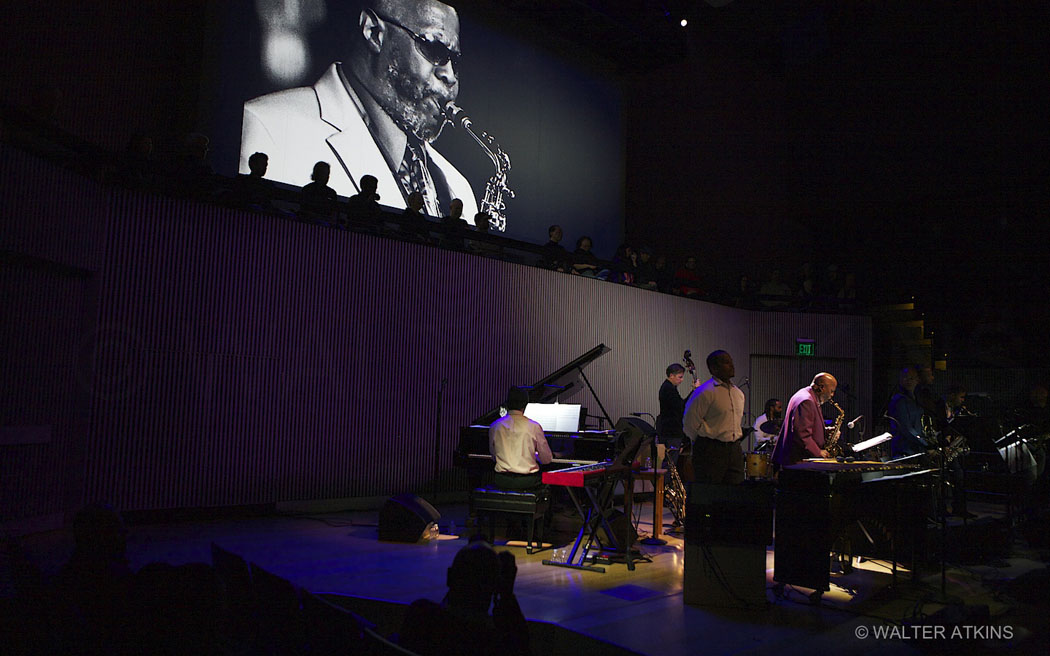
(874, 441)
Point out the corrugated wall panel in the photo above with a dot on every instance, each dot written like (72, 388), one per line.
(288, 361)
(51, 218)
(245, 359)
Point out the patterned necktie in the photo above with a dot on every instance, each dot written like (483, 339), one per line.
(410, 172)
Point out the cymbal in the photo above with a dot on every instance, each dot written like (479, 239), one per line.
(770, 427)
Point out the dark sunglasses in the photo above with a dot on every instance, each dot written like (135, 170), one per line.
(435, 52)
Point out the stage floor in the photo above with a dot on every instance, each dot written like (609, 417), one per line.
(641, 610)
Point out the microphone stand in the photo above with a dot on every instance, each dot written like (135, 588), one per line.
(437, 438)
(653, 453)
(748, 417)
(943, 510)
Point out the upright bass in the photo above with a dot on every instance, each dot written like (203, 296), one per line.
(674, 491)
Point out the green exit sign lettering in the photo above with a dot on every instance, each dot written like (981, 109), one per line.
(805, 348)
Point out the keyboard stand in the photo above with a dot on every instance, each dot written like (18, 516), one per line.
(599, 500)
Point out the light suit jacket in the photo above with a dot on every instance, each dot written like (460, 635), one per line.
(299, 127)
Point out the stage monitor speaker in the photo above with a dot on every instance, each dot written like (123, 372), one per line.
(724, 575)
(727, 528)
(730, 514)
(407, 518)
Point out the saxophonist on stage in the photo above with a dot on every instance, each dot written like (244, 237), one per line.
(802, 434)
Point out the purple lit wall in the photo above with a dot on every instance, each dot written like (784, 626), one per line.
(233, 358)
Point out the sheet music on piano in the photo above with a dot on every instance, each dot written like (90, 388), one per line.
(575, 445)
(556, 417)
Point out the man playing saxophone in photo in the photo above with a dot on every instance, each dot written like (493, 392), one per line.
(378, 113)
(802, 433)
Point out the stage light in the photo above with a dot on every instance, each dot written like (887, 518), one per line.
(684, 22)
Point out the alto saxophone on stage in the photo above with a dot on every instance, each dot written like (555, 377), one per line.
(831, 444)
(496, 188)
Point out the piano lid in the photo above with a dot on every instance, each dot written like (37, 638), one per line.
(554, 386)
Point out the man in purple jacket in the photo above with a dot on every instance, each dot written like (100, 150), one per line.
(802, 435)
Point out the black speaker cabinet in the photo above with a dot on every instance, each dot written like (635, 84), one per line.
(406, 518)
(727, 529)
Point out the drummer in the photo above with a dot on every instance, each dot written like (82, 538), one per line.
(768, 425)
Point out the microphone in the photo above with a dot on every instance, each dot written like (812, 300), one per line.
(746, 383)
(851, 423)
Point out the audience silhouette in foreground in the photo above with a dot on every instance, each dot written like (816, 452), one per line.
(478, 580)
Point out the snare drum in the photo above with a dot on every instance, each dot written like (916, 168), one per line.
(757, 465)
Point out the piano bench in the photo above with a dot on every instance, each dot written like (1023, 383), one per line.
(527, 504)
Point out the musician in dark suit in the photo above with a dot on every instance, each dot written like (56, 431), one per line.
(906, 416)
(802, 434)
(672, 407)
(518, 445)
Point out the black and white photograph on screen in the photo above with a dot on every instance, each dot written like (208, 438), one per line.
(377, 112)
(427, 97)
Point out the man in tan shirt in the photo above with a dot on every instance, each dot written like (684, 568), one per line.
(712, 420)
(518, 445)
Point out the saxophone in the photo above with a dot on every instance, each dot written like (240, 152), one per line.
(831, 444)
(496, 188)
(674, 494)
(956, 447)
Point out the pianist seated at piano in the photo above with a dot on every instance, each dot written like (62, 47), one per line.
(518, 446)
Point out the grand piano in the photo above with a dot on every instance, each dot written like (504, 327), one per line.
(581, 446)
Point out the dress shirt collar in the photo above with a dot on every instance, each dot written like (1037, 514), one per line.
(388, 136)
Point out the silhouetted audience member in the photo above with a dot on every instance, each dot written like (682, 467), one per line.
(254, 191)
(624, 263)
(775, 292)
(453, 225)
(135, 167)
(663, 274)
(645, 271)
(28, 623)
(808, 290)
(363, 207)
(482, 224)
(584, 262)
(479, 579)
(832, 282)
(178, 610)
(847, 295)
(192, 175)
(687, 280)
(93, 587)
(744, 294)
(454, 218)
(414, 222)
(318, 201)
(554, 254)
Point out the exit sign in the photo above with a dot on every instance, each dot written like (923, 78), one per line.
(805, 347)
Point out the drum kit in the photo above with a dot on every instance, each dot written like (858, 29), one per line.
(758, 465)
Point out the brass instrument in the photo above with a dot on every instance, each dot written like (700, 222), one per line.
(831, 443)
(956, 447)
(496, 188)
(674, 493)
